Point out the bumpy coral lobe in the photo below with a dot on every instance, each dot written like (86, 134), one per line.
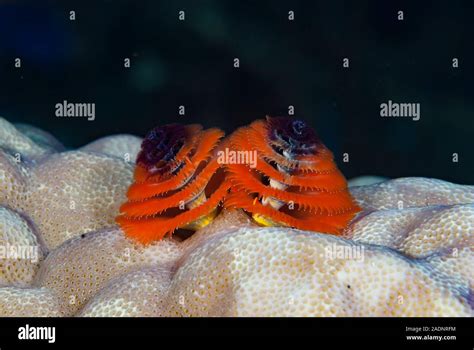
(295, 182)
(177, 183)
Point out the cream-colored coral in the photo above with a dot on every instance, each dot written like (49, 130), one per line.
(226, 221)
(411, 192)
(13, 181)
(417, 232)
(29, 302)
(125, 147)
(127, 295)
(40, 137)
(457, 262)
(139, 293)
(20, 249)
(65, 194)
(13, 141)
(83, 265)
(75, 192)
(284, 272)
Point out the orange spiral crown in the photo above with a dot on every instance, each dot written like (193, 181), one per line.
(177, 183)
(294, 182)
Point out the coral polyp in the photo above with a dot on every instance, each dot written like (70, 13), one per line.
(295, 182)
(177, 183)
